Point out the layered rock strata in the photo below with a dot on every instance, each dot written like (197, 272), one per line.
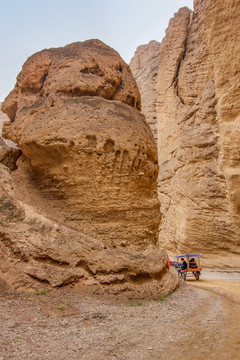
(87, 211)
(198, 106)
(144, 67)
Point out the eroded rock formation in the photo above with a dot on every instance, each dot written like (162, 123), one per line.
(198, 106)
(82, 206)
(144, 67)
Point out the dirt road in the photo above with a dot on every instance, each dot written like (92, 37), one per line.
(201, 320)
(222, 282)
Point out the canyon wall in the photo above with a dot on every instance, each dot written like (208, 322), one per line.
(144, 67)
(198, 113)
(81, 208)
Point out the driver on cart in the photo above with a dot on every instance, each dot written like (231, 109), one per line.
(183, 265)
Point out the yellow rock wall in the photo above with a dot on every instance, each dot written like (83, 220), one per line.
(198, 113)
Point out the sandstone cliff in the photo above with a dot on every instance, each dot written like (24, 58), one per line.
(82, 206)
(144, 67)
(198, 109)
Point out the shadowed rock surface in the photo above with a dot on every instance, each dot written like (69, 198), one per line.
(9, 152)
(82, 206)
(3, 117)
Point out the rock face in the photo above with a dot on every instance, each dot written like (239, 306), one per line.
(198, 106)
(87, 211)
(79, 69)
(9, 155)
(144, 67)
(9, 152)
(3, 117)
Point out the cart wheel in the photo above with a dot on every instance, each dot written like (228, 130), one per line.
(196, 274)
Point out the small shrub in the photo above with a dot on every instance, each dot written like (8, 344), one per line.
(42, 292)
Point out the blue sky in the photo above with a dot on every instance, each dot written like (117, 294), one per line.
(28, 26)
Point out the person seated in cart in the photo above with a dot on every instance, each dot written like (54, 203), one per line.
(192, 263)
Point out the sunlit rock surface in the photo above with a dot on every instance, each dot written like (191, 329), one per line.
(198, 109)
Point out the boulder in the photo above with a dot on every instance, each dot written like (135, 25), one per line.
(87, 212)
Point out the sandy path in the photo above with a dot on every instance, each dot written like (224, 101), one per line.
(227, 284)
(222, 282)
(200, 321)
